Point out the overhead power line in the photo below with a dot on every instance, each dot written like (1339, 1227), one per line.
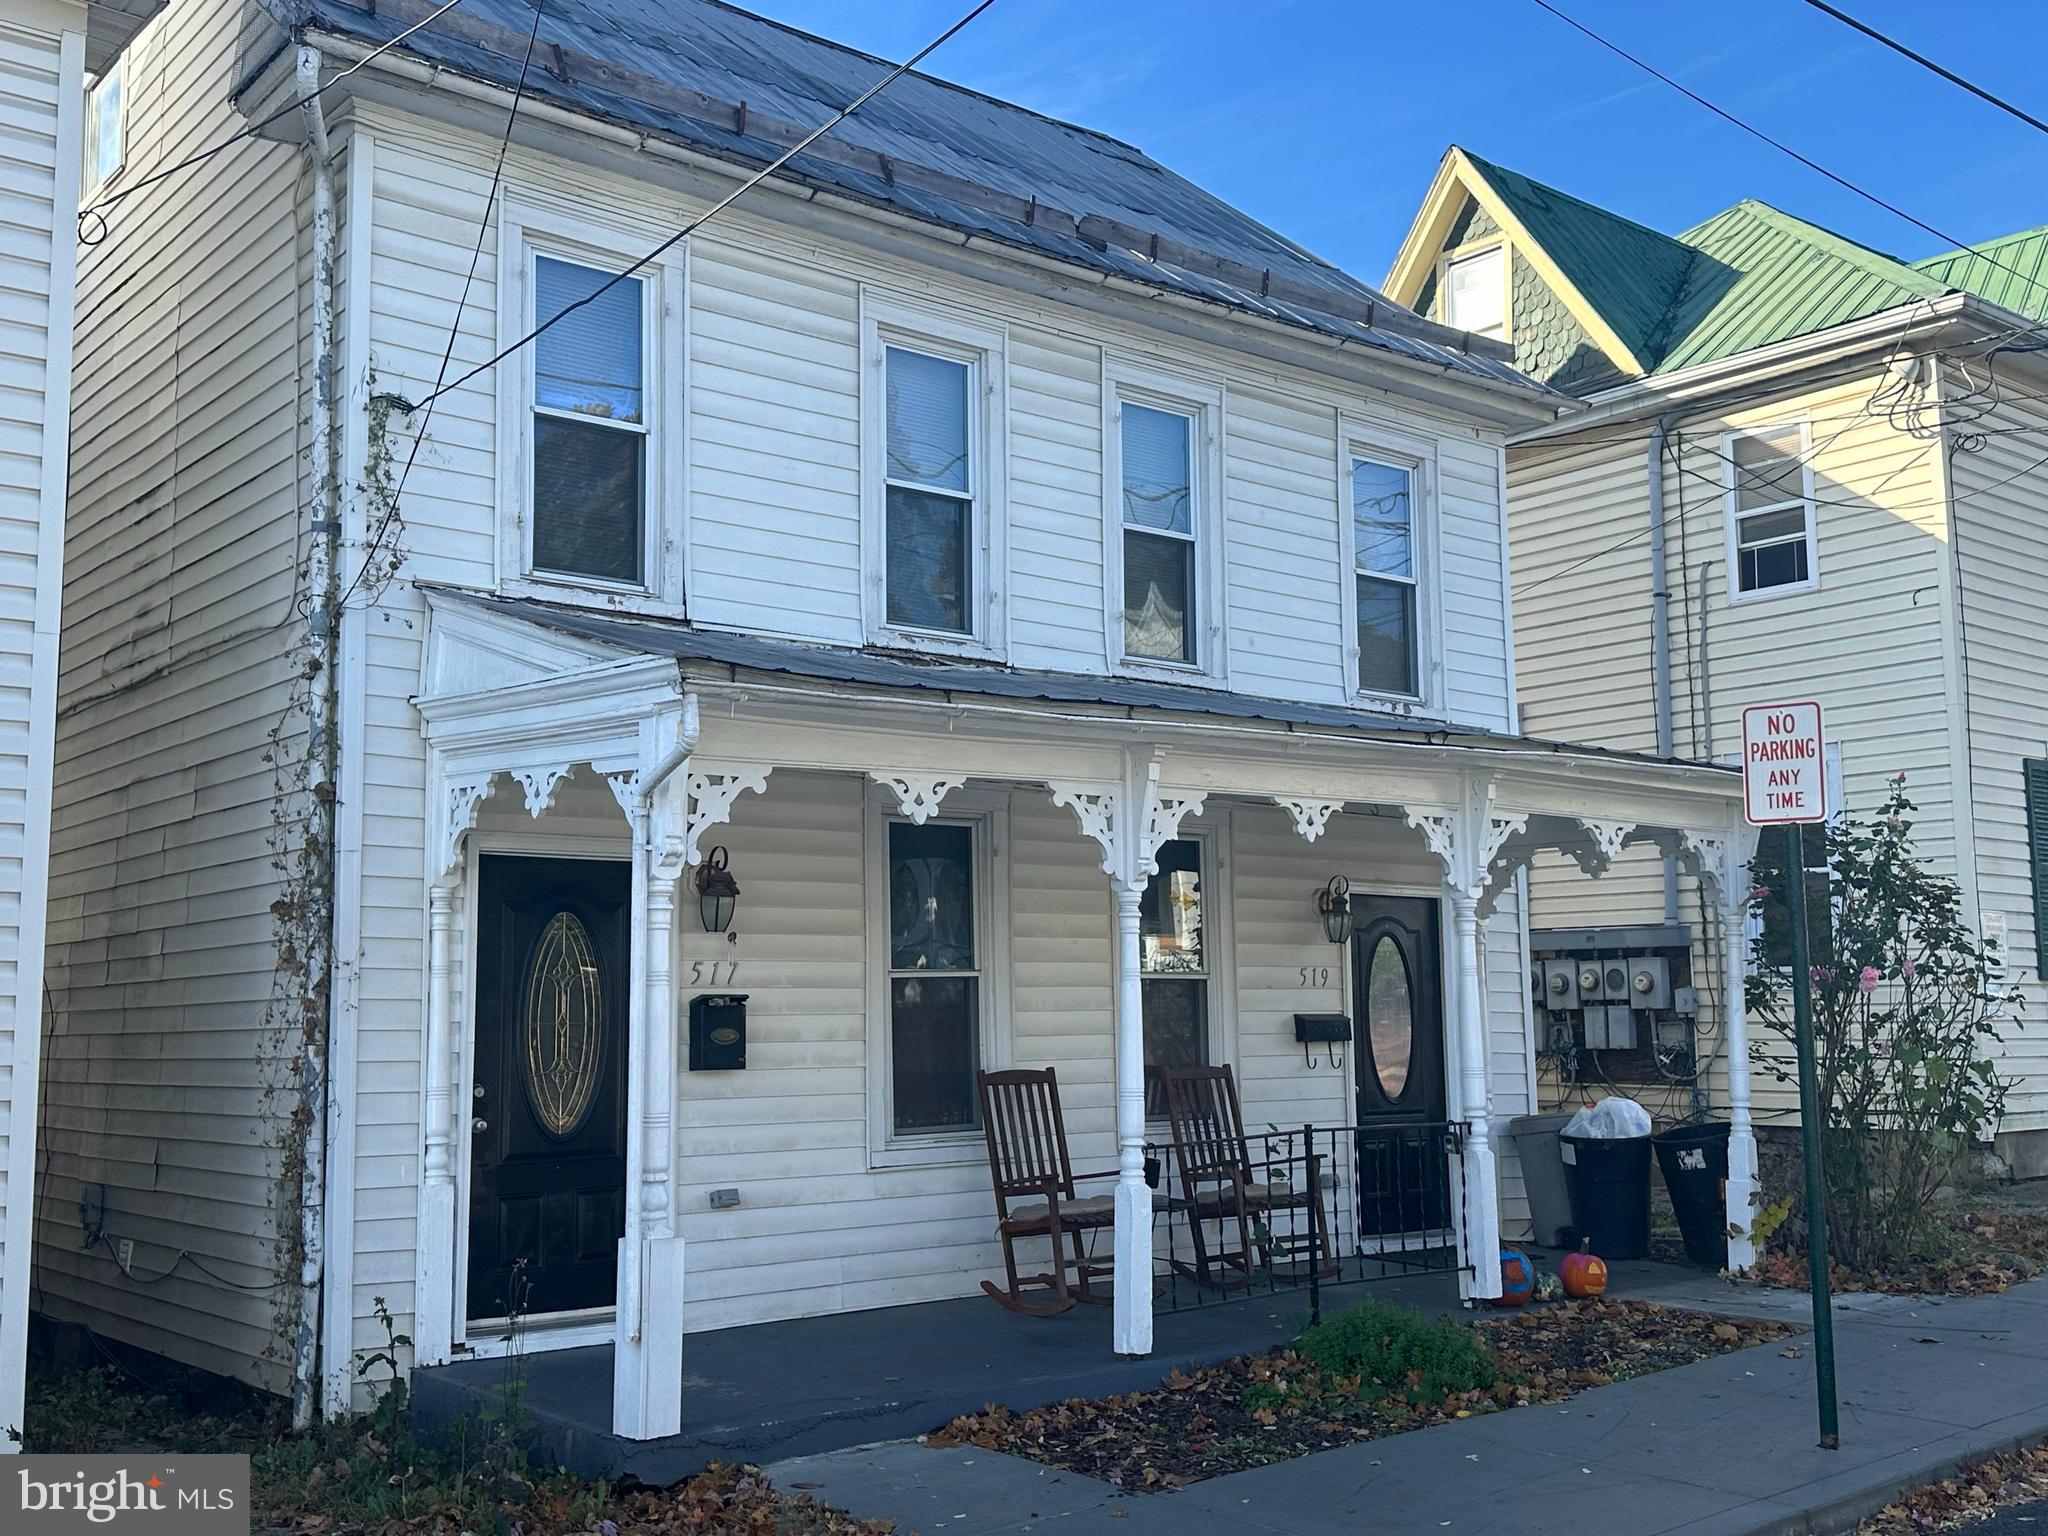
(1926, 63)
(93, 216)
(1786, 149)
(881, 85)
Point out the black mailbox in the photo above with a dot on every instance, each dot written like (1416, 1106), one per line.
(1322, 1028)
(718, 1032)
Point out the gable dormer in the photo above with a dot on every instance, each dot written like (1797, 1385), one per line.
(1582, 294)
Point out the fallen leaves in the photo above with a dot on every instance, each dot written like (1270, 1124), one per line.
(1973, 1494)
(1253, 1410)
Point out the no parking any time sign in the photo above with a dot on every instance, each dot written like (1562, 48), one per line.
(1784, 774)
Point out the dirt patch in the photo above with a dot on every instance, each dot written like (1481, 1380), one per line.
(1974, 1494)
(1253, 1410)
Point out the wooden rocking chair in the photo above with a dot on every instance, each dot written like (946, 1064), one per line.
(1027, 1162)
(1218, 1183)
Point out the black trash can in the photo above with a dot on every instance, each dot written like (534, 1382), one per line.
(1609, 1182)
(1694, 1160)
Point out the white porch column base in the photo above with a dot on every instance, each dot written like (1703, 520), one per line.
(647, 1369)
(1131, 1333)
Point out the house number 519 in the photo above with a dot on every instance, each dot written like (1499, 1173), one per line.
(1315, 975)
(714, 973)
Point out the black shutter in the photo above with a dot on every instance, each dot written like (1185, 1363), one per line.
(2035, 771)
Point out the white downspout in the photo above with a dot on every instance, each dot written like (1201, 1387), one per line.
(1660, 631)
(324, 523)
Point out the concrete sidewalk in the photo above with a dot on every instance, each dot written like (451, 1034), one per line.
(1724, 1446)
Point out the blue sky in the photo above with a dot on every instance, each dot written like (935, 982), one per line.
(1326, 119)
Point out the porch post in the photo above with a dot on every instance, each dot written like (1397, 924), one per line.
(647, 1363)
(1481, 1190)
(1133, 1314)
(1743, 1194)
(434, 1307)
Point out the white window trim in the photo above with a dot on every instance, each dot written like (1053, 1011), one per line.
(886, 321)
(1205, 402)
(1418, 455)
(94, 186)
(1466, 252)
(989, 814)
(1733, 518)
(526, 232)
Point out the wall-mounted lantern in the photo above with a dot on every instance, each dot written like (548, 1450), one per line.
(1333, 903)
(717, 892)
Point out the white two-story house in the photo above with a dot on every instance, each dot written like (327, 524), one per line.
(1028, 580)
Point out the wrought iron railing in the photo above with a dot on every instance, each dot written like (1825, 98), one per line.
(1324, 1205)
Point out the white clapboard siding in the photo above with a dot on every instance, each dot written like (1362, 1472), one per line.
(2001, 545)
(1582, 635)
(42, 49)
(167, 1091)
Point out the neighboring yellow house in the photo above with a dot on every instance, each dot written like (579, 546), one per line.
(1805, 470)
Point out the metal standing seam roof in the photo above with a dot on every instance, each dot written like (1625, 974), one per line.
(1762, 276)
(2011, 272)
(731, 56)
(706, 653)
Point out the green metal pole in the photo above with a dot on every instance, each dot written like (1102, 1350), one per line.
(1809, 1137)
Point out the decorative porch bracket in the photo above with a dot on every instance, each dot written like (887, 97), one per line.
(713, 789)
(1603, 845)
(1310, 817)
(1467, 840)
(1130, 822)
(917, 794)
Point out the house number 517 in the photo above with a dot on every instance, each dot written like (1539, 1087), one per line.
(714, 973)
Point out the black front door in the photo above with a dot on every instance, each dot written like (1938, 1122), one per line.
(1398, 1053)
(548, 1142)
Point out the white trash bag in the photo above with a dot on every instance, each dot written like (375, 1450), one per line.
(1611, 1119)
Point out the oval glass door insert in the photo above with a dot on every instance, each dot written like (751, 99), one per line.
(1390, 1016)
(564, 1025)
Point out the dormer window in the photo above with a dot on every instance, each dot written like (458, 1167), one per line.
(1476, 293)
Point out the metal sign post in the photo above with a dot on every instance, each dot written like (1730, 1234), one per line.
(1785, 784)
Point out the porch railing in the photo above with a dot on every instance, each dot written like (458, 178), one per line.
(1326, 1205)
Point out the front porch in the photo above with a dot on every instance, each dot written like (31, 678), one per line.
(1102, 889)
(808, 1385)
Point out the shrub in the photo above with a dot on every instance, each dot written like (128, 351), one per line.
(1906, 1008)
(1397, 1352)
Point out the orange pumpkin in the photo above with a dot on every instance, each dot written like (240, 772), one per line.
(1583, 1273)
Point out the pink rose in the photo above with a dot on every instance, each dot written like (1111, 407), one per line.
(1867, 979)
(1906, 971)
(1822, 976)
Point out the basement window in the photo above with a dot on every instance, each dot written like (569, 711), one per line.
(1770, 511)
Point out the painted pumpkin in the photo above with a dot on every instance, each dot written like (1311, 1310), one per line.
(1583, 1273)
(1517, 1278)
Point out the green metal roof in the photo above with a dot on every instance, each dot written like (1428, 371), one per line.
(1761, 275)
(1630, 273)
(2011, 273)
(1749, 276)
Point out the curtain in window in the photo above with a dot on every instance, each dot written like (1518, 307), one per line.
(1159, 521)
(934, 991)
(928, 576)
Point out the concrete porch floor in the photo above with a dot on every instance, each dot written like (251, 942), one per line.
(797, 1388)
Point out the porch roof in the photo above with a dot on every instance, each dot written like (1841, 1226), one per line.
(719, 656)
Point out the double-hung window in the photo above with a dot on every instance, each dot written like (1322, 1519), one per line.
(1388, 606)
(935, 978)
(1163, 441)
(590, 425)
(1173, 961)
(933, 407)
(1161, 603)
(929, 521)
(1770, 511)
